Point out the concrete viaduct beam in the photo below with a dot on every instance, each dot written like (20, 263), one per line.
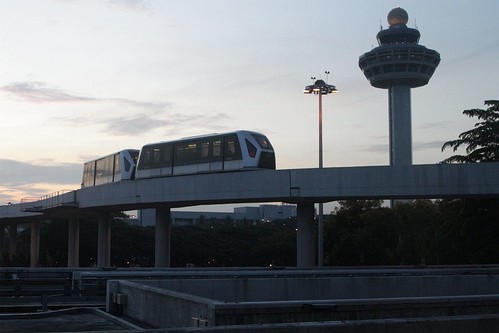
(298, 186)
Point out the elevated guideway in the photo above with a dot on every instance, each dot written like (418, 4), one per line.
(300, 186)
(303, 187)
(292, 186)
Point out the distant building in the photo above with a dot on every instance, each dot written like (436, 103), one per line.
(262, 213)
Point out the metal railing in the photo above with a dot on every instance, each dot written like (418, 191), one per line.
(54, 199)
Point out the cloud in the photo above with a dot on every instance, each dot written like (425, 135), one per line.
(147, 115)
(384, 148)
(39, 92)
(130, 4)
(15, 173)
(155, 106)
(431, 145)
(434, 125)
(169, 123)
(379, 148)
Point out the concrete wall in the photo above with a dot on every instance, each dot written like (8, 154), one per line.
(250, 301)
(288, 289)
(160, 307)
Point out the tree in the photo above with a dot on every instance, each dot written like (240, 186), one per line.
(471, 225)
(482, 141)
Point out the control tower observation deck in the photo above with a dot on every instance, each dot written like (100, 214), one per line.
(398, 64)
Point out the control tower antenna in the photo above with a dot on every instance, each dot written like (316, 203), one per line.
(398, 64)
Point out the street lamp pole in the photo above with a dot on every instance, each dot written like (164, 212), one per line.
(320, 88)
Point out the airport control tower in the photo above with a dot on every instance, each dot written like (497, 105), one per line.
(398, 64)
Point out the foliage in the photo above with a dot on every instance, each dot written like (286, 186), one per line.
(424, 232)
(359, 232)
(482, 142)
(235, 244)
(207, 244)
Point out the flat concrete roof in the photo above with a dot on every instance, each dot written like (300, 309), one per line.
(70, 320)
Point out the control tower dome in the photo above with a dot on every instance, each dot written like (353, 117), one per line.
(398, 64)
(399, 59)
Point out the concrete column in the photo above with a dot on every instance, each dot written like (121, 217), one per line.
(305, 236)
(104, 242)
(2, 238)
(399, 106)
(12, 241)
(162, 238)
(74, 242)
(34, 259)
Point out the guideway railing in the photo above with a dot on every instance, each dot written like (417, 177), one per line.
(54, 199)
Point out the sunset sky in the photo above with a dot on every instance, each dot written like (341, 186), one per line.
(81, 79)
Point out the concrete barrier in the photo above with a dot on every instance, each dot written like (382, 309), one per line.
(286, 299)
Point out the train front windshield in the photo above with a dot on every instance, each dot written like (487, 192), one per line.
(263, 141)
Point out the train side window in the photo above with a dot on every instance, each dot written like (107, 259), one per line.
(150, 157)
(205, 150)
(232, 148)
(251, 149)
(217, 150)
(117, 168)
(135, 156)
(156, 156)
(108, 173)
(89, 174)
(185, 153)
(145, 158)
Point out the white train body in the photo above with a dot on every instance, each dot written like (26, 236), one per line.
(239, 150)
(109, 169)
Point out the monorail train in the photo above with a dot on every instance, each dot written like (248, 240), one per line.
(239, 150)
(111, 168)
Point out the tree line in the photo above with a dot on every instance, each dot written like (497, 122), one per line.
(358, 232)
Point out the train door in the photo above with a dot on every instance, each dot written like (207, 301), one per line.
(232, 157)
(216, 154)
(204, 155)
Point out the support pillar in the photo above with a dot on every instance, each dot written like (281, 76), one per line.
(74, 243)
(305, 236)
(13, 242)
(34, 259)
(162, 238)
(399, 108)
(2, 238)
(104, 242)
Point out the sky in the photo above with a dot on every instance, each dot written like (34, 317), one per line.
(81, 79)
